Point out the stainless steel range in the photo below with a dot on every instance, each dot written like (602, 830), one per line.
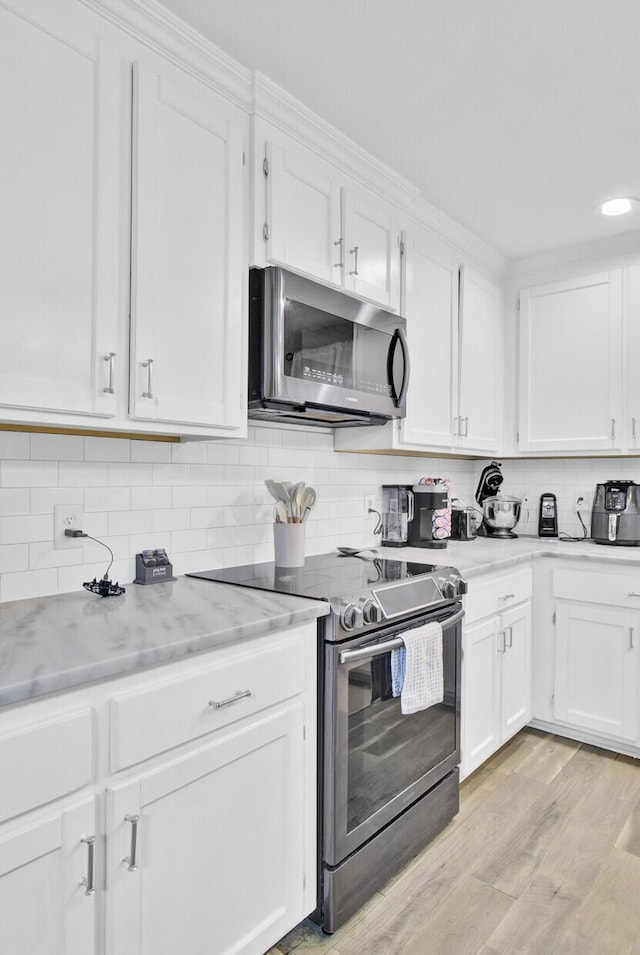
(388, 782)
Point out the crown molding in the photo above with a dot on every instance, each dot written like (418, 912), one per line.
(160, 30)
(474, 249)
(576, 258)
(281, 109)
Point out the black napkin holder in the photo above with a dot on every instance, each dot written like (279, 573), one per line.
(151, 570)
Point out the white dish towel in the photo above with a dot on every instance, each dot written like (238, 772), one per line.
(423, 684)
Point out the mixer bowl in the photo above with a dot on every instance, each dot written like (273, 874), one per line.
(501, 514)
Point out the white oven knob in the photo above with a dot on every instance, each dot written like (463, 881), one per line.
(349, 616)
(371, 612)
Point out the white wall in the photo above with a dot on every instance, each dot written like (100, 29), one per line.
(206, 503)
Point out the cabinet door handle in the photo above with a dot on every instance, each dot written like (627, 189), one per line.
(631, 643)
(634, 593)
(456, 426)
(613, 430)
(110, 359)
(633, 429)
(340, 264)
(510, 643)
(466, 427)
(354, 252)
(148, 364)
(132, 858)
(503, 648)
(240, 695)
(88, 881)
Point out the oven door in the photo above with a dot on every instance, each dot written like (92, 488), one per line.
(378, 762)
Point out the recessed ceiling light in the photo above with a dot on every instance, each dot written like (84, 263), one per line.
(616, 207)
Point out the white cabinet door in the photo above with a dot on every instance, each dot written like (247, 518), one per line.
(571, 365)
(44, 907)
(632, 351)
(371, 248)
(59, 90)
(596, 682)
(516, 669)
(480, 362)
(219, 845)
(188, 270)
(430, 306)
(481, 735)
(302, 216)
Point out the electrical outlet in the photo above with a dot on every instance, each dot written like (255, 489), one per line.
(369, 501)
(67, 516)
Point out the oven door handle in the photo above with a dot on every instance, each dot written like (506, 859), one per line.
(377, 649)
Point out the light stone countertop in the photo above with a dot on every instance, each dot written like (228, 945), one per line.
(60, 642)
(487, 555)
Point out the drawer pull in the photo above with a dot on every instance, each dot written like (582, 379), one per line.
(88, 882)
(631, 643)
(633, 593)
(510, 643)
(503, 648)
(506, 597)
(240, 695)
(132, 858)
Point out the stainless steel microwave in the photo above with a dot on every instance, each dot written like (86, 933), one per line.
(319, 356)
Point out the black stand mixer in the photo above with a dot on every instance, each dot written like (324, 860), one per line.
(500, 513)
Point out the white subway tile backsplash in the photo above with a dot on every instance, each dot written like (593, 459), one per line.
(14, 557)
(43, 554)
(172, 519)
(226, 453)
(107, 449)
(151, 452)
(28, 473)
(21, 530)
(42, 500)
(189, 496)
(96, 523)
(14, 444)
(14, 501)
(83, 474)
(130, 522)
(107, 499)
(29, 583)
(188, 540)
(190, 452)
(150, 498)
(206, 473)
(128, 475)
(57, 447)
(169, 474)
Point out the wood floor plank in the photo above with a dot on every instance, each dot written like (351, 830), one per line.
(568, 870)
(458, 927)
(307, 937)
(510, 756)
(608, 920)
(511, 863)
(545, 762)
(629, 838)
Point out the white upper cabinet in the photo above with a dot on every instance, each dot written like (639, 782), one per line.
(59, 90)
(302, 226)
(478, 425)
(370, 248)
(320, 222)
(188, 266)
(571, 365)
(430, 305)
(632, 351)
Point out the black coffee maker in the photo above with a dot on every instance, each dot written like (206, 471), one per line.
(430, 525)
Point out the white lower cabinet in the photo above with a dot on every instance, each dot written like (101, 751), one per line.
(496, 666)
(47, 874)
(596, 669)
(205, 841)
(206, 853)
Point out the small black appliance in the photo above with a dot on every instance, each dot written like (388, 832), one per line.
(615, 516)
(430, 525)
(548, 516)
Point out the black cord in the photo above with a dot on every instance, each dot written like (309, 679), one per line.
(378, 528)
(567, 537)
(106, 573)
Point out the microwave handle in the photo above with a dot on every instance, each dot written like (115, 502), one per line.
(398, 338)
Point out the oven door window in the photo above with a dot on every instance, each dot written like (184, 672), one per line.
(388, 752)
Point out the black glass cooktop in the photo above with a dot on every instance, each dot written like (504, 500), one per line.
(322, 577)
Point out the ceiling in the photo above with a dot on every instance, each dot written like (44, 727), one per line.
(514, 117)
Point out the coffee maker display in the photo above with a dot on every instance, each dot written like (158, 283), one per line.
(500, 512)
(397, 512)
(431, 522)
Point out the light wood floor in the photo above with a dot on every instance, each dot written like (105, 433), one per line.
(543, 858)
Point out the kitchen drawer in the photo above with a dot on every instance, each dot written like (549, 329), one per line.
(147, 721)
(616, 590)
(497, 593)
(44, 760)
